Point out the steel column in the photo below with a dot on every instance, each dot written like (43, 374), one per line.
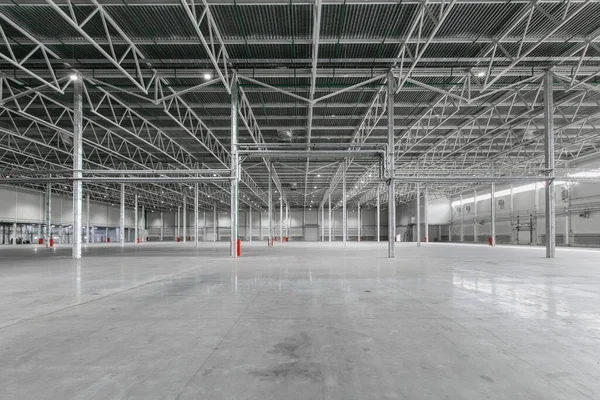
(390, 165)
(143, 221)
(536, 209)
(568, 217)
(77, 165)
(323, 223)
(549, 164)
(135, 218)
(493, 214)
(14, 240)
(215, 221)
(330, 226)
(162, 227)
(196, 212)
(512, 211)
(449, 223)
(281, 219)
(87, 218)
(184, 219)
(178, 222)
(378, 217)
(122, 217)
(270, 222)
(418, 214)
(344, 209)
(462, 219)
(358, 217)
(234, 167)
(204, 230)
(475, 233)
(250, 224)
(48, 214)
(425, 215)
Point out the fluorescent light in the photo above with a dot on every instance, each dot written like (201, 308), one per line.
(74, 77)
(586, 174)
(207, 76)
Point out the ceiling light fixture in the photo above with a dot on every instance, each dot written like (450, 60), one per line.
(74, 77)
(208, 76)
(481, 74)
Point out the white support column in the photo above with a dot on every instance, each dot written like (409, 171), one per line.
(234, 213)
(418, 214)
(391, 79)
(136, 220)
(48, 214)
(449, 222)
(250, 225)
(122, 217)
(87, 217)
(204, 229)
(280, 219)
(196, 212)
(358, 217)
(344, 209)
(493, 214)
(14, 238)
(330, 226)
(425, 215)
(475, 233)
(511, 206)
(77, 165)
(549, 164)
(143, 221)
(215, 227)
(462, 219)
(323, 223)
(568, 217)
(378, 217)
(270, 219)
(184, 219)
(178, 223)
(536, 211)
(162, 227)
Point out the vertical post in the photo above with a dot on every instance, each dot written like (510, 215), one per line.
(87, 218)
(512, 211)
(135, 218)
(536, 208)
(178, 221)
(234, 166)
(14, 240)
(549, 164)
(204, 230)
(77, 165)
(493, 212)
(330, 226)
(270, 204)
(196, 212)
(568, 217)
(122, 217)
(215, 228)
(184, 219)
(378, 216)
(143, 221)
(48, 214)
(250, 224)
(390, 164)
(425, 215)
(462, 219)
(323, 223)
(358, 217)
(418, 214)
(344, 210)
(281, 219)
(162, 227)
(449, 223)
(475, 233)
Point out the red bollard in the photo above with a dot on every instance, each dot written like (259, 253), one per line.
(490, 242)
(178, 239)
(137, 240)
(51, 242)
(239, 247)
(107, 240)
(287, 239)
(40, 241)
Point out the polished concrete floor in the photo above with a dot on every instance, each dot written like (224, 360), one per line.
(299, 321)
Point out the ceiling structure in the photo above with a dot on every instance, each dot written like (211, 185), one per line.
(311, 75)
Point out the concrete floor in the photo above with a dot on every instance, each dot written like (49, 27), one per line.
(299, 321)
